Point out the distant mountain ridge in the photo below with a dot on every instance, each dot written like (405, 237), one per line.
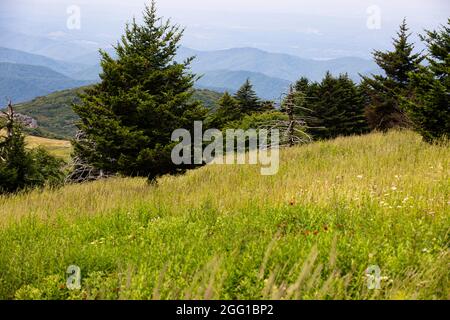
(267, 87)
(22, 57)
(22, 82)
(277, 65)
(221, 70)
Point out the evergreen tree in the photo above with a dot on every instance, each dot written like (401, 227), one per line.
(227, 111)
(143, 96)
(383, 111)
(332, 107)
(14, 161)
(19, 167)
(428, 105)
(247, 99)
(351, 99)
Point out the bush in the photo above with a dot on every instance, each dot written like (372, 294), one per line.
(22, 169)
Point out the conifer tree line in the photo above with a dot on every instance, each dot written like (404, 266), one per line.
(145, 95)
(126, 120)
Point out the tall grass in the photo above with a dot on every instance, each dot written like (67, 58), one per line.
(226, 232)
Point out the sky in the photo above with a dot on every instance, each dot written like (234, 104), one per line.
(319, 29)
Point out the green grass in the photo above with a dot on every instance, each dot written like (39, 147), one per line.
(226, 232)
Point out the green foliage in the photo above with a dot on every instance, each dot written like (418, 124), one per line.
(248, 101)
(383, 110)
(428, 105)
(144, 95)
(53, 113)
(331, 108)
(207, 97)
(255, 120)
(232, 110)
(228, 110)
(23, 169)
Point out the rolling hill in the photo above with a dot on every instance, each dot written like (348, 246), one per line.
(56, 118)
(22, 82)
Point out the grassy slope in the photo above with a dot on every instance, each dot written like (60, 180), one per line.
(227, 232)
(58, 148)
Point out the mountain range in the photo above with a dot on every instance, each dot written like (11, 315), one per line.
(24, 75)
(22, 82)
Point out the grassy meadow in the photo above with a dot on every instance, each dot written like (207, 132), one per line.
(58, 148)
(226, 232)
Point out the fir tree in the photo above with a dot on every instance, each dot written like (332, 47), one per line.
(144, 95)
(227, 111)
(21, 168)
(383, 111)
(333, 107)
(247, 99)
(429, 105)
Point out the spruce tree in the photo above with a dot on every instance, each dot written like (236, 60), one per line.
(351, 99)
(247, 99)
(383, 111)
(429, 105)
(227, 111)
(144, 95)
(333, 107)
(21, 168)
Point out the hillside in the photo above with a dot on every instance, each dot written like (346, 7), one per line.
(56, 118)
(22, 82)
(226, 232)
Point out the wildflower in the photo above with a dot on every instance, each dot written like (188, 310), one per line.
(393, 188)
(360, 176)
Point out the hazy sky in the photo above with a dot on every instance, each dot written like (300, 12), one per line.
(319, 28)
